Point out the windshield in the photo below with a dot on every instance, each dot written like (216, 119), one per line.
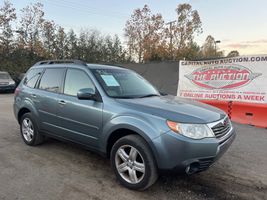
(4, 76)
(120, 83)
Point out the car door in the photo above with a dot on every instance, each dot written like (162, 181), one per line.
(46, 99)
(81, 120)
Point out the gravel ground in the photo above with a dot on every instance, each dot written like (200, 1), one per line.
(57, 170)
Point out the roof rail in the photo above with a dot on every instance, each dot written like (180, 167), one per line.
(50, 62)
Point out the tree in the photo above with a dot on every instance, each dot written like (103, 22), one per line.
(191, 52)
(187, 26)
(49, 38)
(31, 24)
(61, 47)
(143, 32)
(234, 53)
(7, 16)
(209, 50)
(72, 45)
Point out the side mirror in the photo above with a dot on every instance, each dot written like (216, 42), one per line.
(86, 94)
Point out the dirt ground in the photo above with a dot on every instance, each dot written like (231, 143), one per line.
(57, 170)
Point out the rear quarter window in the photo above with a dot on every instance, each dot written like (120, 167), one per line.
(32, 77)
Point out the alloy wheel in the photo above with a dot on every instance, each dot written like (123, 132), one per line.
(130, 164)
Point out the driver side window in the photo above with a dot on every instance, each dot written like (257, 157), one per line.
(76, 80)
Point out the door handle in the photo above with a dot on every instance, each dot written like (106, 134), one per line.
(33, 95)
(62, 102)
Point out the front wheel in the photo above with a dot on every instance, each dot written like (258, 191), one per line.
(133, 163)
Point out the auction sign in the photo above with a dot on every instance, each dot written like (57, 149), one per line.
(241, 79)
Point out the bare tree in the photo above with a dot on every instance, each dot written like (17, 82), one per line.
(143, 32)
(7, 16)
(31, 24)
(188, 25)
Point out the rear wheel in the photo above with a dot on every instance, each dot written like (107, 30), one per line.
(133, 163)
(29, 131)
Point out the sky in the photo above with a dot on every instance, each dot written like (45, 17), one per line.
(239, 24)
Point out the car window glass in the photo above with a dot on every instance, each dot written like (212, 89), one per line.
(51, 80)
(32, 77)
(76, 80)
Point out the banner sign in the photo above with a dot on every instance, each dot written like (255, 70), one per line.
(241, 79)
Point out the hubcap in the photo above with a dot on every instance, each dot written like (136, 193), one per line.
(130, 164)
(27, 129)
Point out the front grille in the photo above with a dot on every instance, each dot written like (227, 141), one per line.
(222, 128)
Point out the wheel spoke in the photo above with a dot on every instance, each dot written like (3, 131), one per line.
(123, 155)
(29, 124)
(140, 167)
(133, 177)
(30, 131)
(25, 123)
(24, 130)
(133, 154)
(122, 167)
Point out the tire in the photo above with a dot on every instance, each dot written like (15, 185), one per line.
(140, 163)
(30, 134)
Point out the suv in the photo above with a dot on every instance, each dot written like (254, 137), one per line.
(117, 113)
(6, 82)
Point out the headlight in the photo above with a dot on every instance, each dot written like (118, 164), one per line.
(195, 131)
(11, 82)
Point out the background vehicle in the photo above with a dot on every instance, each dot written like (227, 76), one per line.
(117, 113)
(7, 84)
(18, 78)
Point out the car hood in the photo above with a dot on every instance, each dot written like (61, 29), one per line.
(175, 109)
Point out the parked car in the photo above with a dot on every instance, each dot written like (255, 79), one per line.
(7, 84)
(119, 114)
(18, 78)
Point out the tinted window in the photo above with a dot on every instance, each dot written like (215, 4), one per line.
(32, 77)
(51, 80)
(76, 80)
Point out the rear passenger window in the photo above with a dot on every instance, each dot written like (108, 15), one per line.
(76, 80)
(32, 77)
(51, 80)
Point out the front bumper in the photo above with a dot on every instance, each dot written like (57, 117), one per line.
(177, 153)
(7, 87)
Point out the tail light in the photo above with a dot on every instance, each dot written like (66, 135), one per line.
(17, 91)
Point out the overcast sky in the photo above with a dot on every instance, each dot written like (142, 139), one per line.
(239, 24)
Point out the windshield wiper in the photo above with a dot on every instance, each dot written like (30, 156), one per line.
(149, 95)
(124, 97)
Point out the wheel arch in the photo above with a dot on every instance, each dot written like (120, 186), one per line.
(21, 112)
(27, 107)
(120, 132)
